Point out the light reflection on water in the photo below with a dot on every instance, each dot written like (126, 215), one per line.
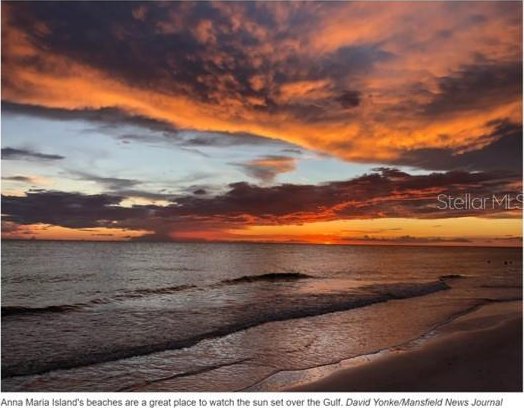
(44, 274)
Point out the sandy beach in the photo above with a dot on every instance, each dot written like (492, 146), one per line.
(480, 351)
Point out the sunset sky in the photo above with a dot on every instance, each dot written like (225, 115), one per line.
(308, 122)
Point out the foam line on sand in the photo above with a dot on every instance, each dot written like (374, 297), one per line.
(480, 351)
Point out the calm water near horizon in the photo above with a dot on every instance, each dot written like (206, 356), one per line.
(213, 317)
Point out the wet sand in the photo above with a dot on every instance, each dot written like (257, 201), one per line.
(480, 351)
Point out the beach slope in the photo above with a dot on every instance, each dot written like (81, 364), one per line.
(480, 351)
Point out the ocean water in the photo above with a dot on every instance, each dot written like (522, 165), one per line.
(84, 316)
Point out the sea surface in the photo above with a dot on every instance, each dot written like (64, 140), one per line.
(85, 316)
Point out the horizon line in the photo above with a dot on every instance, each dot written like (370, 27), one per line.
(262, 243)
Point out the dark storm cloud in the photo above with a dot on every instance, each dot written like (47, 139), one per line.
(108, 117)
(503, 153)
(476, 87)
(10, 153)
(73, 210)
(148, 130)
(144, 52)
(388, 193)
(356, 59)
(350, 99)
(196, 49)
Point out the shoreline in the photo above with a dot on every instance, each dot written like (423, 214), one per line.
(480, 351)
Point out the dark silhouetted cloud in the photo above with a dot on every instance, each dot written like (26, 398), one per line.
(504, 152)
(108, 117)
(21, 179)
(72, 210)
(388, 193)
(476, 87)
(10, 153)
(148, 130)
(350, 99)
(111, 183)
(407, 240)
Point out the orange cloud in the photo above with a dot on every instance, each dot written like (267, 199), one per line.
(400, 70)
(390, 231)
(55, 232)
(268, 167)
